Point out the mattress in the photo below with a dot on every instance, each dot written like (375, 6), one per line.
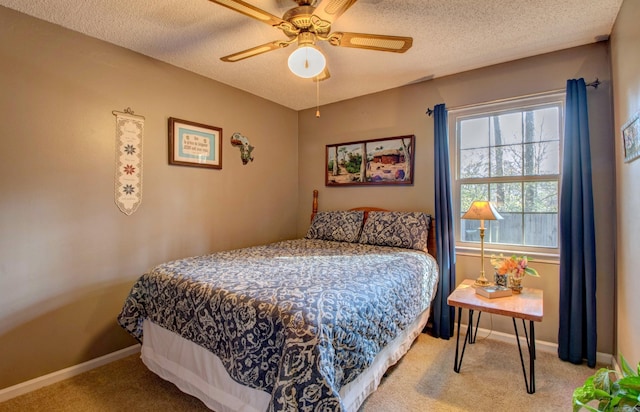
(198, 372)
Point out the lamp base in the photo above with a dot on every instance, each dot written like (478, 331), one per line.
(481, 281)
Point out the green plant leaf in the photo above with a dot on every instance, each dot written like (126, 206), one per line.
(627, 406)
(583, 394)
(615, 400)
(601, 395)
(626, 369)
(602, 380)
(630, 382)
(605, 406)
(577, 406)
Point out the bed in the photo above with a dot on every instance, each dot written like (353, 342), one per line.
(307, 324)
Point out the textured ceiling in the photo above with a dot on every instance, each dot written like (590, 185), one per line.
(450, 36)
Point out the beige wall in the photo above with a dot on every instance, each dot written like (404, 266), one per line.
(401, 111)
(625, 62)
(68, 256)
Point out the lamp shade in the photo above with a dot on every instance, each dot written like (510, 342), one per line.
(307, 61)
(481, 210)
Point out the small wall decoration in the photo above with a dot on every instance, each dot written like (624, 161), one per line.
(194, 144)
(128, 179)
(386, 161)
(631, 138)
(245, 147)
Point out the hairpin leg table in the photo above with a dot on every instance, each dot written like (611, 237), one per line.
(526, 306)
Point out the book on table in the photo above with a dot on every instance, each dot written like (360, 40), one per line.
(493, 291)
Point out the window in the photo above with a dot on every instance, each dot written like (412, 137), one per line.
(510, 154)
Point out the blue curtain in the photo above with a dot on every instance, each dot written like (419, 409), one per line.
(443, 314)
(577, 329)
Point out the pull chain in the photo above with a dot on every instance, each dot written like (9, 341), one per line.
(317, 96)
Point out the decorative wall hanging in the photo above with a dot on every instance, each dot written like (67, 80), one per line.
(194, 144)
(387, 161)
(128, 179)
(245, 147)
(631, 138)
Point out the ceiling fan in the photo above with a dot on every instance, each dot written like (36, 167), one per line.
(306, 24)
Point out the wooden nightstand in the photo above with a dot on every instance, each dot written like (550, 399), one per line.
(526, 306)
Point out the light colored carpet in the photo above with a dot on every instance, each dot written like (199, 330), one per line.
(490, 380)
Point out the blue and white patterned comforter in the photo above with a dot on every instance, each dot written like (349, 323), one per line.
(298, 319)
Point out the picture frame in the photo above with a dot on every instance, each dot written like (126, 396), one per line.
(631, 138)
(385, 161)
(194, 144)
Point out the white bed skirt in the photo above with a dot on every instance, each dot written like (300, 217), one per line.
(200, 373)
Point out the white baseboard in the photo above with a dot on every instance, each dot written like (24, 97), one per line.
(615, 365)
(37, 383)
(541, 345)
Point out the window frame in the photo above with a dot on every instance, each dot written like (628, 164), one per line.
(517, 104)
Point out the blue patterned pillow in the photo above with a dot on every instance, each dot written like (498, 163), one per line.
(340, 226)
(408, 230)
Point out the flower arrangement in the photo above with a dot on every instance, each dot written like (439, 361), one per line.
(514, 266)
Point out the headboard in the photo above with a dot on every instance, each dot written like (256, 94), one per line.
(431, 239)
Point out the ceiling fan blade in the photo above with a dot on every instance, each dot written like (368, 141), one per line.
(251, 11)
(330, 10)
(254, 51)
(397, 44)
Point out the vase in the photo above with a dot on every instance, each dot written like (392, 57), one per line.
(515, 284)
(500, 280)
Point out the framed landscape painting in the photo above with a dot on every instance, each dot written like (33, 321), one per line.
(386, 161)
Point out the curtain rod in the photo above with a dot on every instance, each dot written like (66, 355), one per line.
(593, 84)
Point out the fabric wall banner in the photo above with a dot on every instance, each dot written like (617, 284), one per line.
(128, 179)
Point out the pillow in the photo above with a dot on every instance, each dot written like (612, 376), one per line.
(340, 226)
(408, 230)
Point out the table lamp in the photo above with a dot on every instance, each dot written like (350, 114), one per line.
(481, 210)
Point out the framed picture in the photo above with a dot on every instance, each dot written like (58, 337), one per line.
(194, 144)
(631, 138)
(386, 161)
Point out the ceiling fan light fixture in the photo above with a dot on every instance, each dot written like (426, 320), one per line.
(307, 61)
